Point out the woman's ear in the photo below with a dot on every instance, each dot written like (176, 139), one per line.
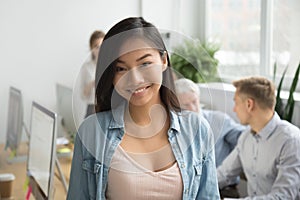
(164, 60)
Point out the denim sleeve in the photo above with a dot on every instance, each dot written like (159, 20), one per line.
(78, 181)
(208, 188)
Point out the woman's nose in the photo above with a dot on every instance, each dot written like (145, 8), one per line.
(135, 76)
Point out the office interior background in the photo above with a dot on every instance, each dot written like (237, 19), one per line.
(43, 43)
(46, 42)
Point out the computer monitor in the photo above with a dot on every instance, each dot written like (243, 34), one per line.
(14, 120)
(64, 109)
(42, 152)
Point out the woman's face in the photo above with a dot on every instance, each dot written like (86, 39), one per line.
(138, 73)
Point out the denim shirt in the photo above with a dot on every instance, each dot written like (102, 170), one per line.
(190, 138)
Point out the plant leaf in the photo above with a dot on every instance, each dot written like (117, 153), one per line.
(289, 108)
(278, 106)
(192, 57)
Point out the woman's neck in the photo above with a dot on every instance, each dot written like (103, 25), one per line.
(146, 122)
(142, 115)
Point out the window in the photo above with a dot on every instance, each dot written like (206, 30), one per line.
(253, 34)
(237, 27)
(286, 36)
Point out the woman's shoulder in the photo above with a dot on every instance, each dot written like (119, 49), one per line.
(193, 131)
(188, 117)
(192, 122)
(96, 122)
(93, 135)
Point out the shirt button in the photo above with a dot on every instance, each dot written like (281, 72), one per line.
(186, 191)
(254, 175)
(254, 158)
(182, 165)
(254, 193)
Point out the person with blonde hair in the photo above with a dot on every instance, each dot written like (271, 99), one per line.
(268, 152)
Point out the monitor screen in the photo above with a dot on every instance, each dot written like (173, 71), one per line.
(14, 119)
(64, 108)
(41, 155)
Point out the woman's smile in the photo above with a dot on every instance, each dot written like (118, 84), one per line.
(139, 91)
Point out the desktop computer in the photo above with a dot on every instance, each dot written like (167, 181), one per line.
(42, 152)
(15, 125)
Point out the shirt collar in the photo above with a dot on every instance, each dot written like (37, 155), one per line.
(270, 127)
(174, 122)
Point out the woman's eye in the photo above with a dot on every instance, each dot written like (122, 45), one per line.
(120, 69)
(145, 64)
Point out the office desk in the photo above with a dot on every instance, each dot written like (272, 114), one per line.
(19, 170)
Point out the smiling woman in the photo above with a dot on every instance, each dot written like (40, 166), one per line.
(138, 75)
(139, 145)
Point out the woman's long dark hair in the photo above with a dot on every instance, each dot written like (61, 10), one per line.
(109, 53)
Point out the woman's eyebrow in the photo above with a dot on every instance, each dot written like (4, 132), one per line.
(141, 58)
(120, 61)
(144, 56)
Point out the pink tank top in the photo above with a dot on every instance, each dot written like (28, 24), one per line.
(127, 179)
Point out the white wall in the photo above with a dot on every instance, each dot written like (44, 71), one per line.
(44, 42)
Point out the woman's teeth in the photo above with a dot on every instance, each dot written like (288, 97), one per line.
(138, 91)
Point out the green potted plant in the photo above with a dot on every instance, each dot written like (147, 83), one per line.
(195, 60)
(286, 111)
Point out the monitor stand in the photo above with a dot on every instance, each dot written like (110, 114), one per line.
(23, 158)
(62, 177)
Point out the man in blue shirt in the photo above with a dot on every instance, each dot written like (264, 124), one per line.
(226, 131)
(268, 152)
